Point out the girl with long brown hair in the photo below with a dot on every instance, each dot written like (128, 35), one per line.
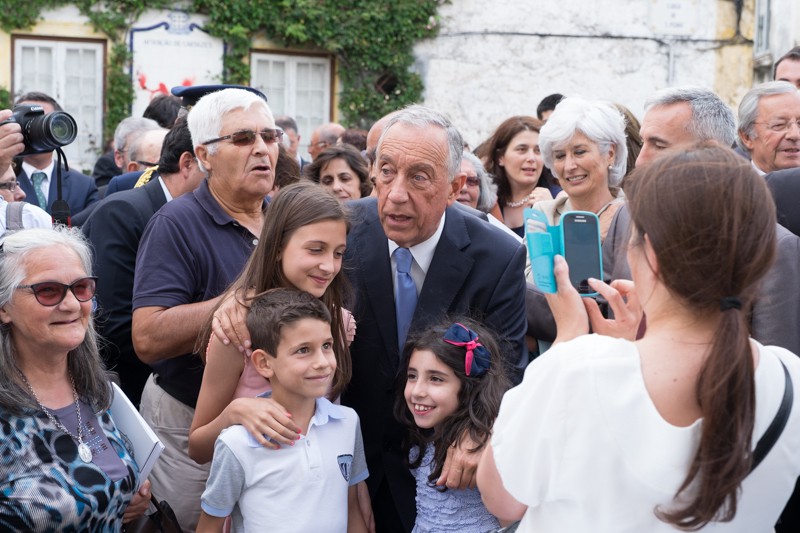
(301, 246)
(658, 434)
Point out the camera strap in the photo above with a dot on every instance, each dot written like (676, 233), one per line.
(60, 210)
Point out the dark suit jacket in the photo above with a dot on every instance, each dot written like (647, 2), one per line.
(123, 182)
(776, 309)
(115, 229)
(476, 270)
(785, 186)
(119, 183)
(79, 190)
(105, 168)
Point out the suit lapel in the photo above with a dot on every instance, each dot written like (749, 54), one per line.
(446, 275)
(155, 194)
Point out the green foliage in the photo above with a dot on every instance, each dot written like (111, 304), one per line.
(5, 98)
(372, 41)
(119, 91)
(24, 14)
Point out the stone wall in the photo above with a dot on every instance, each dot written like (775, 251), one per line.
(493, 61)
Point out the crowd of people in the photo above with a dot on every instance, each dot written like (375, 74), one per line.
(354, 343)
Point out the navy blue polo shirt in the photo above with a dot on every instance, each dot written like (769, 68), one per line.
(190, 252)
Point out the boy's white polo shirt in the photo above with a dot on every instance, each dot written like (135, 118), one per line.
(296, 488)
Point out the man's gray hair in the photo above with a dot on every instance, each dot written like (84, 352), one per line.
(712, 119)
(329, 133)
(748, 108)
(487, 195)
(128, 127)
(135, 144)
(422, 117)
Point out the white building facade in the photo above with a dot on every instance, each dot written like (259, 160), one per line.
(492, 61)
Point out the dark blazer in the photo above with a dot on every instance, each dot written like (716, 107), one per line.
(119, 183)
(785, 186)
(776, 309)
(115, 229)
(123, 182)
(79, 190)
(476, 270)
(105, 168)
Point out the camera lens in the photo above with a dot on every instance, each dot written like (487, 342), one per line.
(47, 132)
(62, 128)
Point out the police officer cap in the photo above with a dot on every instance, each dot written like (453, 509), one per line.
(191, 94)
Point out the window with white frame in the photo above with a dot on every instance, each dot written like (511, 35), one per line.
(762, 27)
(71, 71)
(295, 85)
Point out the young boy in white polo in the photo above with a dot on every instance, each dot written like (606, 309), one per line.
(310, 485)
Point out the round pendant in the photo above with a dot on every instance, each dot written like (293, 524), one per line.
(84, 452)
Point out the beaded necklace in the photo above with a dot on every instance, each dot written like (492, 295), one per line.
(84, 451)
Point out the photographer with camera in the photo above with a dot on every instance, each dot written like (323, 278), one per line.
(38, 177)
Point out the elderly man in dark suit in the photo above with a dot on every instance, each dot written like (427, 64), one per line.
(115, 229)
(37, 175)
(459, 264)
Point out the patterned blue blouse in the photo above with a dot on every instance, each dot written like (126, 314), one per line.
(459, 511)
(46, 487)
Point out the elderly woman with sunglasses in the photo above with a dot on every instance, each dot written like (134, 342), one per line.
(63, 462)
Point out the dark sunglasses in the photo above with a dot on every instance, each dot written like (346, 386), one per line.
(248, 137)
(50, 293)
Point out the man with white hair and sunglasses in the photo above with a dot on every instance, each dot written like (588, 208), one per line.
(192, 249)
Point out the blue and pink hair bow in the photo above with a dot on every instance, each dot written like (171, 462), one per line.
(477, 358)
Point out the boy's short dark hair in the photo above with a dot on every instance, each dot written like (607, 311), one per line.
(271, 311)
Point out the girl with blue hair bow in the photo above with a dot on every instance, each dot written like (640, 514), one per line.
(453, 382)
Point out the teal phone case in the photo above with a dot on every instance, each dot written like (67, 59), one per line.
(543, 247)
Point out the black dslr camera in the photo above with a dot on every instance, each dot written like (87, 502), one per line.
(43, 132)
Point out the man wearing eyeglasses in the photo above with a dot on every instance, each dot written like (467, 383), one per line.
(191, 250)
(15, 213)
(769, 126)
(323, 137)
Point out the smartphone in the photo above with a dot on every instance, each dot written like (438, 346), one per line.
(580, 233)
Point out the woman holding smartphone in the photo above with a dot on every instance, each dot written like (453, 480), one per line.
(658, 434)
(583, 144)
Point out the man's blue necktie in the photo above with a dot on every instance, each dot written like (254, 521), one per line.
(406, 300)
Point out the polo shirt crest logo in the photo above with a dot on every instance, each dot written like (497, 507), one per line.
(345, 463)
